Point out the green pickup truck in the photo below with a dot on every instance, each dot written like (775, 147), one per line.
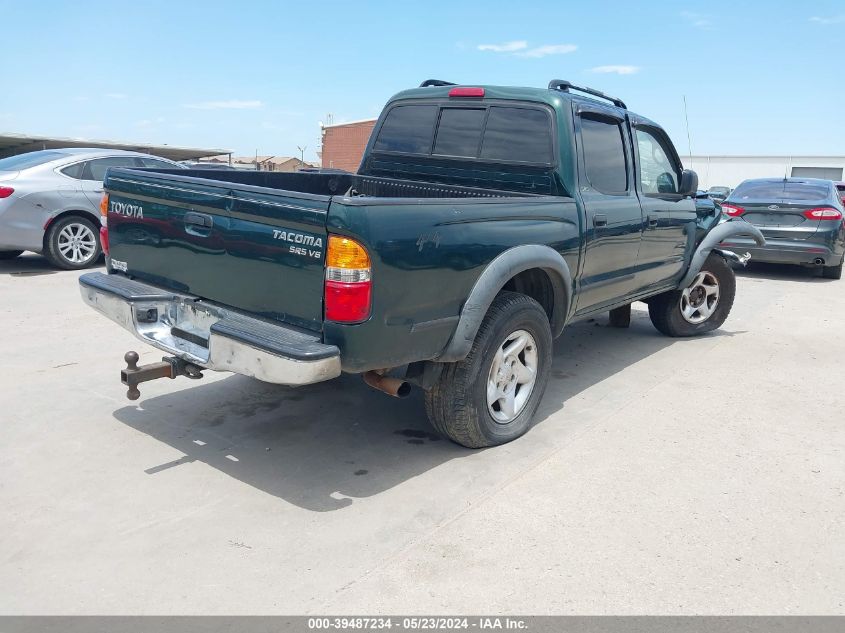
(481, 222)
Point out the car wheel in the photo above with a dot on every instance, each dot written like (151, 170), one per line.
(832, 272)
(73, 243)
(490, 397)
(700, 307)
(9, 254)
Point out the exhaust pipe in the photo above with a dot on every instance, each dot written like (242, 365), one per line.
(395, 387)
(818, 261)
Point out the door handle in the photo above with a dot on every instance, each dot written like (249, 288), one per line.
(653, 219)
(599, 220)
(199, 220)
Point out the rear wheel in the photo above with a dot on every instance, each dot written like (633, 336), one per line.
(490, 397)
(700, 307)
(9, 254)
(73, 243)
(832, 272)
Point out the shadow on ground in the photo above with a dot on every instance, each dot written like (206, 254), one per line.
(781, 272)
(32, 265)
(322, 446)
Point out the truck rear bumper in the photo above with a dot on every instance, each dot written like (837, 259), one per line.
(209, 335)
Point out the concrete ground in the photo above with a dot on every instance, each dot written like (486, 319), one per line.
(664, 476)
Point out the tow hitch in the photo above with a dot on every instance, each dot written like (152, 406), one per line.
(169, 367)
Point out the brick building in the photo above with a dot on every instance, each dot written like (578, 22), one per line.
(344, 143)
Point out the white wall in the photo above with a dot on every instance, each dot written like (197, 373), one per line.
(729, 171)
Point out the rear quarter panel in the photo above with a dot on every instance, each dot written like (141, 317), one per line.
(426, 256)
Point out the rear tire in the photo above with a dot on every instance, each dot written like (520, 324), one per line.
(701, 307)
(73, 243)
(491, 396)
(9, 254)
(832, 272)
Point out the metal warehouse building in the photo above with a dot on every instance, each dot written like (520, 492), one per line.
(729, 171)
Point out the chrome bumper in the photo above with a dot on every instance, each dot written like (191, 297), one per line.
(209, 335)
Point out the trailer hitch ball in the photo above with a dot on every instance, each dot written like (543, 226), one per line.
(131, 358)
(169, 367)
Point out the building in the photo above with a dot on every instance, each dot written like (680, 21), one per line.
(13, 144)
(262, 163)
(344, 143)
(729, 171)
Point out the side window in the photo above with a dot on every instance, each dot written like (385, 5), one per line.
(153, 162)
(96, 169)
(407, 129)
(518, 135)
(604, 154)
(656, 171)
(74, 171)
(459, 132)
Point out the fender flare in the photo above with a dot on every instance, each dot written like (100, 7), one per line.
(498, 272)
(713, 239)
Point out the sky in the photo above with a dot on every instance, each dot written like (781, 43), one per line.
(759, 78)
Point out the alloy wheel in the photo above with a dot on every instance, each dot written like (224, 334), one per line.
(513, 374)
(77, 243)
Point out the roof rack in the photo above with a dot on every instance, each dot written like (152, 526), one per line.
(565, 86)
(436, 82)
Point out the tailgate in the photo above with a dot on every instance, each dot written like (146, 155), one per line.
(257, 249)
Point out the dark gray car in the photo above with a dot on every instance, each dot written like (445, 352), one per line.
(801, 218)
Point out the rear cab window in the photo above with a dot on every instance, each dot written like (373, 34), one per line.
(502, 133)
(498, 144)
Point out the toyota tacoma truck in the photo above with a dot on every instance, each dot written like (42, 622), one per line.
(482, 221)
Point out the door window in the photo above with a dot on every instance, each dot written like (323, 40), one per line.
(96, 169)
(604, 154)
(656, 171)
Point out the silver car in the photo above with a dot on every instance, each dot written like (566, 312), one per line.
(50, 199)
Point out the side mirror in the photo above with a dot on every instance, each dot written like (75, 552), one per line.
(689, 183)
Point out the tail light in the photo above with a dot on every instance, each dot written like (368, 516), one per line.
(104, 239)
(466, 92)
(348, 289)
(732, 210)
(823, 213)
(104, 227)
(5, 192)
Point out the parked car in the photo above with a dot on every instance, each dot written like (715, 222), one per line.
(840, 188)
(801, 219)
(718, 193)
(483, 220)
(50, 199)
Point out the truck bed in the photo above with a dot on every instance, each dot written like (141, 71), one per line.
(256, 241)
(341, 184)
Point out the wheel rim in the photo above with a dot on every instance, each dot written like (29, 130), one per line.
(700, 298)
(77, 243)
(513, 374)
